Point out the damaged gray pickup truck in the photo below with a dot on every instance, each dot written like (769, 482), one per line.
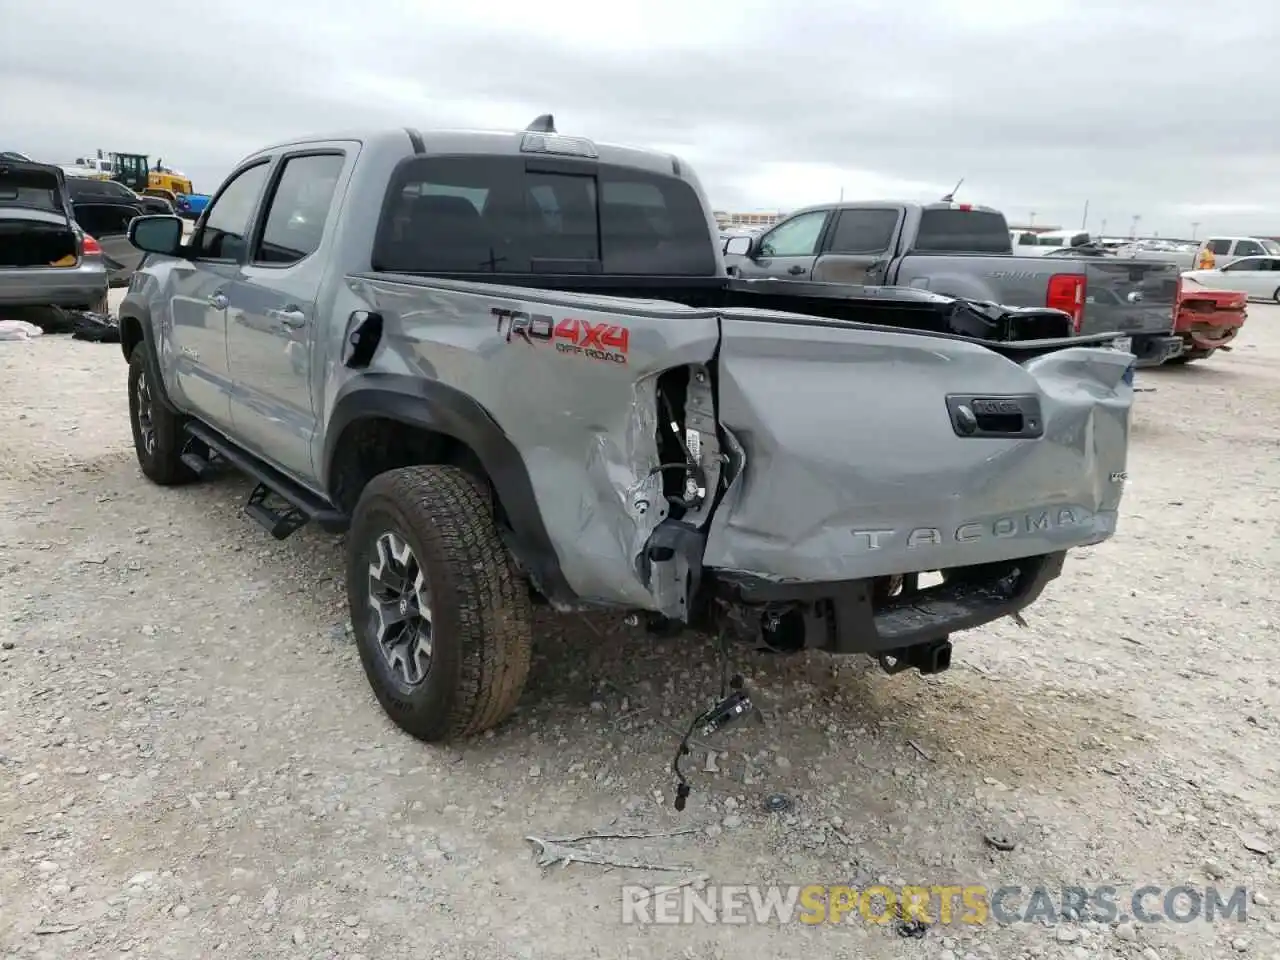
(510, 366)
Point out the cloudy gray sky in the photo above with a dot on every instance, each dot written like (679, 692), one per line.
(1164, 109)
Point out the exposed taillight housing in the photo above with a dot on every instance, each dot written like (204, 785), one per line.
(1066, 293)
(1177, 299)
(89, 246)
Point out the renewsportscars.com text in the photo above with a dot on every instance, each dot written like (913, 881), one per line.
(937, 904)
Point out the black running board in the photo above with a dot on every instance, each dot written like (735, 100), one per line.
(301, 504)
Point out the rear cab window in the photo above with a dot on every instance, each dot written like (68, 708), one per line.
(952, 230)
(514, 215)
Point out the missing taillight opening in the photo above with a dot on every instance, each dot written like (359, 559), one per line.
(1066, 293)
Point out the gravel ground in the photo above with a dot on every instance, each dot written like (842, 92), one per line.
(192, 765)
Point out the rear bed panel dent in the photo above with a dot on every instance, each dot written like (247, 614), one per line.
(853, 468)
(563, 406)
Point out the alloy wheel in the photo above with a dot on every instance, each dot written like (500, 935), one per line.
(400, 605)
(146, 424)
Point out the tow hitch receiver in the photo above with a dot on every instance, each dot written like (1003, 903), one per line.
(928, 658)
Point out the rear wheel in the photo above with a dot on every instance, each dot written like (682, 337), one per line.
(1190, 355)
(1276, 296)
(157, 432)
(441, 618)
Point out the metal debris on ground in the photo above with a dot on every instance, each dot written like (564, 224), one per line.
(49, 929)
(920, 750)
(548, 853)
(661, 835)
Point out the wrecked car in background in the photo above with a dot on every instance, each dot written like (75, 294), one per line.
(1208, 320)
(511, 360)
(46, 259)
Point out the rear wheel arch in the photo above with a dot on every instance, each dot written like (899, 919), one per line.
(383, 422)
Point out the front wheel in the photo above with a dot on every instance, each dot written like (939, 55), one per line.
(157, 432)
(442, 620)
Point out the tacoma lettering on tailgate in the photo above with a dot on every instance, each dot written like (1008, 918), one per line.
(596, 341)
(976, 531)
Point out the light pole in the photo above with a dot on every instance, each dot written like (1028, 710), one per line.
(1195, 225)
(1032, 221)
(1133, 230)
(1102, 232)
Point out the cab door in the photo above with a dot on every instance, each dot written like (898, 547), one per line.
(858, 248)
(787, 251)
(272, 319)
(198, 297)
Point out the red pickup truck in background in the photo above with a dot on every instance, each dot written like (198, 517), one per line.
(1207, 320)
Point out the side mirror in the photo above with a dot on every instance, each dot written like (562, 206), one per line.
(737, 247)
(160, 234)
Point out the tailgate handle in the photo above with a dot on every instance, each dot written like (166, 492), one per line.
(1009, 418)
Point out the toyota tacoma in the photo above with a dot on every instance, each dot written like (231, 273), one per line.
(512, 369)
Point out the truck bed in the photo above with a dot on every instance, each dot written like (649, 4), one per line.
(849, 449)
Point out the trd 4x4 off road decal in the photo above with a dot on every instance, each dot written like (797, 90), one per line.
(597, 341)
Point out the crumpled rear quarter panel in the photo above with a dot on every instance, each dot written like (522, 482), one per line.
(853, 469)
(586, 428)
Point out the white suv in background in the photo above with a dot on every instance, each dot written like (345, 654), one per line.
(1226, 249)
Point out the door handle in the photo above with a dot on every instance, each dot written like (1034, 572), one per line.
(290, 316)
(218, 301)
(796, 270)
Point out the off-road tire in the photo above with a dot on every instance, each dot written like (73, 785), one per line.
(163, 463)
(481, 617)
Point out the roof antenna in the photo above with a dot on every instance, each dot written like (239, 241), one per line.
(543, 124)
(951, 197)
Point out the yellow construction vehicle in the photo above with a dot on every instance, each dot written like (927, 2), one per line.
(164, 178)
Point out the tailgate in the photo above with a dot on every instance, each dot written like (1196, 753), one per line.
(1130, 296)
(867, 453)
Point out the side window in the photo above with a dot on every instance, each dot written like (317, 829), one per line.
(298, 209)
(1220, 247)
(797, 237)
(1237, 266)
(864, 231)
(222, 236)
(1248, 248)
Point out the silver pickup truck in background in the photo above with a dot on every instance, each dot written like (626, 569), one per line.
(963, 250)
